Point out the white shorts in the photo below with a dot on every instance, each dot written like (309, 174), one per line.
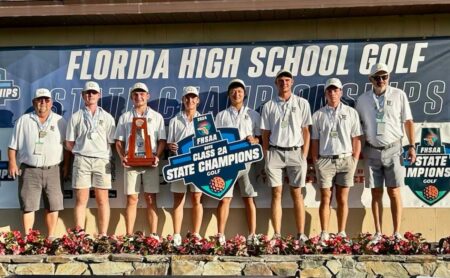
(91, 172)
(148, 177)
(340, 171)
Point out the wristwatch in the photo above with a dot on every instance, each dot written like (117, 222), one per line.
(411, 146)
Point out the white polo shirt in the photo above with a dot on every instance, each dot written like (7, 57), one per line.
(285, 120)
(25, 138)
(92, 136)
(335, 128)
(180, 127)
(155, 127)
(396, 112)
(246, 120)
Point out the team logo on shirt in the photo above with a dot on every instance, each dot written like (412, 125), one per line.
(429, 177)
(211, 158)
(8, 91)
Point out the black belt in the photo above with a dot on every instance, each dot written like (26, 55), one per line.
(383, 147)
(337, 156)
(42, 168)
(285, 148)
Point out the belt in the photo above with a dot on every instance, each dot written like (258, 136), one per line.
(388, 146)
(285, 148)
(337, 156)
(42, 168)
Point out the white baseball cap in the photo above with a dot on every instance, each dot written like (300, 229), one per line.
(333, 82)
(42, 92)
(190, 90)
(238, 82)
(379, 67)
(284, 72)
(91, 86)
(139, 86)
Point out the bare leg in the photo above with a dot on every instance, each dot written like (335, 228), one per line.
(152, 213)
(28, 220)
(197, 211)
(51, 219)
(342, 206)
(277, 212)
(250, 209)
(82, 197)
(396, 206)
(377, 208)
(324, 209)
(178, 207)
(130, 213)
(102, 199)
(299, 209)
(223, 210)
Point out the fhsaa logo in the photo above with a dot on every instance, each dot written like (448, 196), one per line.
(8, 91)
(429, 177)
(211, 158)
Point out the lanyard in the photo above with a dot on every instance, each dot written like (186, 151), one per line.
(92, 120)
(42, 127)
(284, 108)
(332, 115)
(236, 116)
(188, 125)
(145, 114)
(379, 101)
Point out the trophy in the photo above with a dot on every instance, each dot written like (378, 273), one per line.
(139, 145)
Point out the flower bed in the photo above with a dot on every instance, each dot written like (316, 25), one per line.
(77, 242)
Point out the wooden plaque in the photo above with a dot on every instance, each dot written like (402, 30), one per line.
(139, 137)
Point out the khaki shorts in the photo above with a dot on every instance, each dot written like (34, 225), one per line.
(291, 161)
(181, 187)
(383, 167)
(91, 172)
(245, 186)
(33, 182)
(148, 177)
(340, 171)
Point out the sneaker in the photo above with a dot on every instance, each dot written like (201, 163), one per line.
(250, 239)
(276, 236)
(376, 238)
(342, 234)
(324, 237)
(154, 236)
(177, 240)
(399, 237)
(221, 238)
(302, 238)
(196, 236)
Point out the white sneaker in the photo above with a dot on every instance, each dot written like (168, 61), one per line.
(197, 236)
(398, 236)
(376, 238)
(302, 238)
(250, 239)
(177, 240)
(221, 238)
(342, 234)
(324, 236)
(154, 236)
(276, 236)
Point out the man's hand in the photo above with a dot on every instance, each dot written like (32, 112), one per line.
(252, 139)
(412, 155)
(13, 170)
(156, 162)
(173, 147)
(124, 160)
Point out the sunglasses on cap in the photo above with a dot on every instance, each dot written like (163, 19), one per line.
(380, 77)
(40, 99)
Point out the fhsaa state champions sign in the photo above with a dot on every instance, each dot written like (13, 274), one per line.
(211, 158)
(429, 177)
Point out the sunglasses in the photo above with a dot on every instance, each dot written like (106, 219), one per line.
(91, 92)
(380, 77)
(42, 99)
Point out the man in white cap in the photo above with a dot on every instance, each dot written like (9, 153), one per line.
(181, 126)
(384, 112)
(247, 121)
(285, 125)
(335, 149)
(148, 177)
(89, 136)
(37, 146)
